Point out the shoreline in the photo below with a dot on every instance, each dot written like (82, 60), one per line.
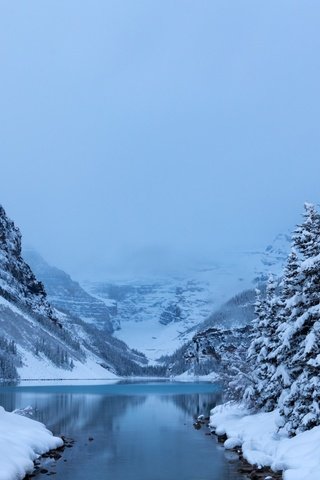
(259, 439)
(254, 472)
(55, 454)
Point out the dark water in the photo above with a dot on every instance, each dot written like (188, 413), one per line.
(140, 431)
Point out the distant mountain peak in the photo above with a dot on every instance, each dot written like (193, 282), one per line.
(277, 251)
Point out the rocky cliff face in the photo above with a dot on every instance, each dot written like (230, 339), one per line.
(67, 295)
(223, 352)
(18, 284)
(220, 345)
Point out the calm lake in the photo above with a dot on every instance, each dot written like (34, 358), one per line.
(140, 431)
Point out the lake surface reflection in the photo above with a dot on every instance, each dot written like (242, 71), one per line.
(139, 431)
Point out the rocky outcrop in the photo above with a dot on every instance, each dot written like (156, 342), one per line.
(221, 345)
(171, 313)
(224, 352)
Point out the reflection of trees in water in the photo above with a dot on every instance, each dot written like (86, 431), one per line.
(7, 401)
(123, 428)
(79, 416)
(70, 412)
(67, 412)
(195, 404)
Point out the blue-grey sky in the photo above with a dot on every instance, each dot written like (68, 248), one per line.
(157, 125)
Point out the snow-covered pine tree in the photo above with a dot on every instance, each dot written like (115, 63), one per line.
(306, 236)
(272, 388)
(291, 283)
(290, 309)
(265, 392)
(251, 393)
(300, 407)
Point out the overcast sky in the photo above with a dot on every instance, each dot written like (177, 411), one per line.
(132, 128)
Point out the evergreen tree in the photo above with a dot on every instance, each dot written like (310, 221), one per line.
(289, 309)
(264, 393)
(306, 236)
(271, 390)
(251, 394)
(300, 407)
(285, 350)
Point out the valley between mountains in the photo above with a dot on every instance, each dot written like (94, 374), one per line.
(56, 327)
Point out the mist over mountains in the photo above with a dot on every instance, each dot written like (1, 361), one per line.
(56, 327)
(158, 311)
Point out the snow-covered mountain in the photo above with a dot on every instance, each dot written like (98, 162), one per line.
(158, 315)
(39, 341)
(154, 315)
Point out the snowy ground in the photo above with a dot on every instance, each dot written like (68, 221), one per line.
(297, 457)
(21, 442)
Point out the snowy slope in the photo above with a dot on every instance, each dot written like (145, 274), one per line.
(39, 368)
(32, 361)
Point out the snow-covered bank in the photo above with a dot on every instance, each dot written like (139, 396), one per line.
(298, 457)
(22, 440)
